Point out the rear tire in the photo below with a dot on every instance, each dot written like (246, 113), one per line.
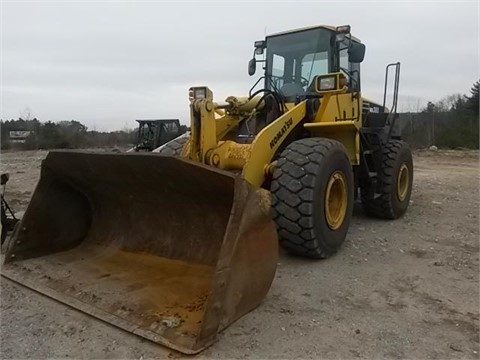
(174, 147)
(312, 197)
(396, 181)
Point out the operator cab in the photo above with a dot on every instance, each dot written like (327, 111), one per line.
(294, 59)
(153, 133)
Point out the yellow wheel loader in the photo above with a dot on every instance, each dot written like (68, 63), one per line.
(176, 245)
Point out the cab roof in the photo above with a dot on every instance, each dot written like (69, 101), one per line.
(327, 27)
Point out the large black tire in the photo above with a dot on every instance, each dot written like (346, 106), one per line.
(174, 147)
(307, 173)
(396, 181)
(4, 225)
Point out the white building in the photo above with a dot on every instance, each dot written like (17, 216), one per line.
(19, 136)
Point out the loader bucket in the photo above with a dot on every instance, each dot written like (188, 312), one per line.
(162, 247)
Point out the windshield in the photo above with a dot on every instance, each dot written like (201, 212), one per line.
(293, 60)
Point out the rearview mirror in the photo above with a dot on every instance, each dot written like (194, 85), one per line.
(252, 66)
(356, 52)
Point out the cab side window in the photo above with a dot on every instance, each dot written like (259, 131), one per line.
(353, 70)
(278, 70)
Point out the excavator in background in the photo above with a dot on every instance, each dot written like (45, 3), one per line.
(153, 133)
(176, 245)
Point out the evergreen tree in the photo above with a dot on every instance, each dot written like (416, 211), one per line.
(472, 101)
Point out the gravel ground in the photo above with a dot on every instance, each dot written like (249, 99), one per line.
(398, 289)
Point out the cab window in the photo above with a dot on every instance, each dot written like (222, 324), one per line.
(314, 64)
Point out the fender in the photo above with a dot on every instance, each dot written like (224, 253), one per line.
(268, 141)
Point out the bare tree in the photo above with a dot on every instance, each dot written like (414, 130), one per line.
(26, 114)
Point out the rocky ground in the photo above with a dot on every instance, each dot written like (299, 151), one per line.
(398, 289)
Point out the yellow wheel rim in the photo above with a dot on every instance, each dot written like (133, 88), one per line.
(336, 200)
(403, 182)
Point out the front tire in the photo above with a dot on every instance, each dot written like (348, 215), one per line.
(312, 197)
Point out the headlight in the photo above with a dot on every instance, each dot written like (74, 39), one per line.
(260, 46)
(327, 83)
(344, 29)
(198, 93)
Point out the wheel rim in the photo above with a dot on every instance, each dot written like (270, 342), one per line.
(403, 182)
(336, 200)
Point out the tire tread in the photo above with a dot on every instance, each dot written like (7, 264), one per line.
(298, 164)
(382, 207)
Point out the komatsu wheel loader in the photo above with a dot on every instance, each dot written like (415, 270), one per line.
(174, 246)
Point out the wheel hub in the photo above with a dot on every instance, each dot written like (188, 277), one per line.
(402, 182)
(336, 200)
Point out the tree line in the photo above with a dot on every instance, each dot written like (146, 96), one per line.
(452, 122)
(62, 135)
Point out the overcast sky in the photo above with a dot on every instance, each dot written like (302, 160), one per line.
(108, 63)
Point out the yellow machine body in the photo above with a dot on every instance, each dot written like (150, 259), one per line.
(339, 117)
